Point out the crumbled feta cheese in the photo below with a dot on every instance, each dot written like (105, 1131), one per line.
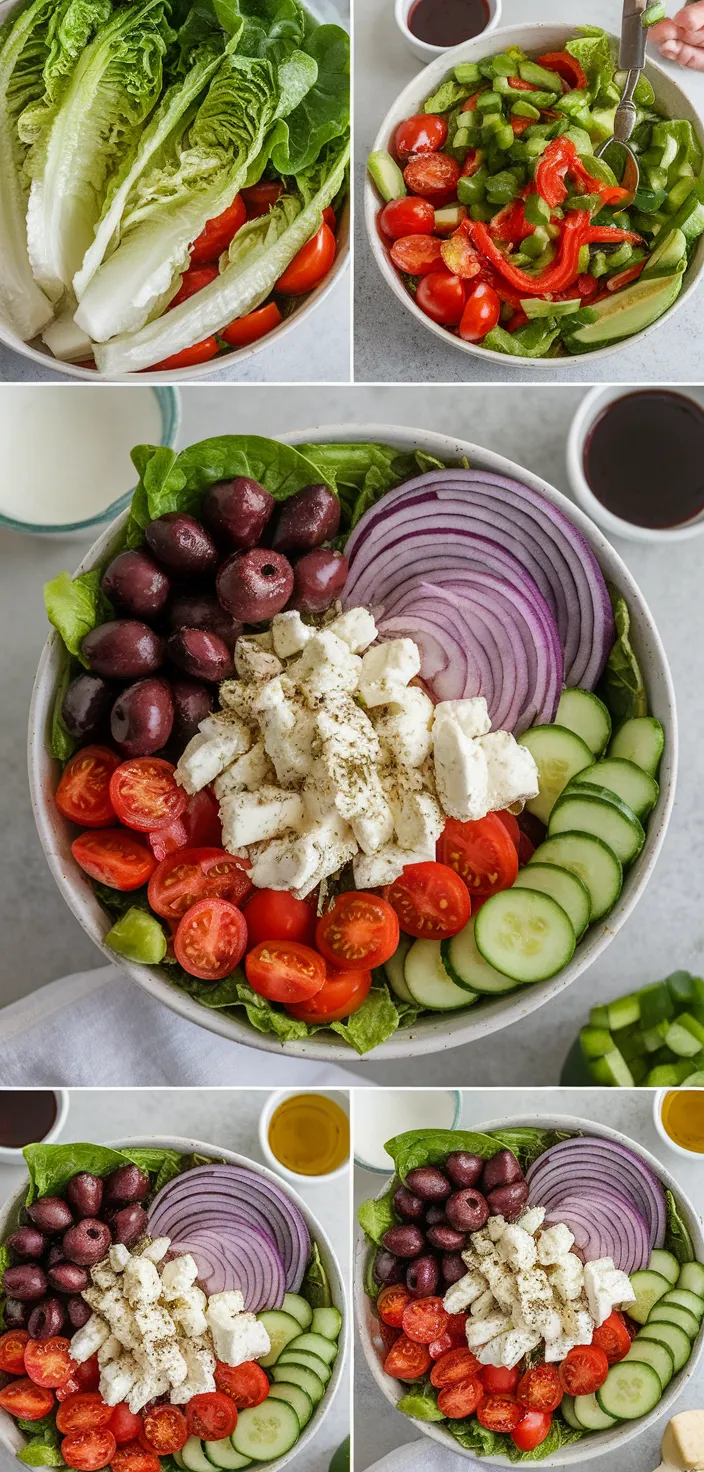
(532, 1220)
(554, 1244)
(508, 1348)
(481, 1331)
(103, 1276)
(142, 1284)
(87, 1340)
(511, 770)
(356, 627)
(148, 1388)
(375, 870)
(606, 1288)
(418, 820)
(178, 1275)
(155, 1251)
(247, 774)
(201, 1373)
(387, 669)
(461, 771)
(220, 740)
(405, 726)
(517, 1248)
(255, 659)
(373, 828)
(250, 817)
(289, 633)
(119, 1256)
(472, 716)
(496, 1226)
(117, 1379)
(326, 667)
(567, 1277)
(465, 1291)
(485, 1305)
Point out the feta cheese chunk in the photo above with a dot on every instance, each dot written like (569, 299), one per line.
(404, 726)
(356, 627)
(508, 1348)
(511, 770)
(119, 1256)
(554, 1244)
(484, 1305)
(461, 772)
(110, 1350)
(255, 658)
(87, 1340)
(252, 817)
(200, 1362)
(606, 1288)
(146, 1389)
(156, 1250)
(237, 1336)
(373, 828)
(418, 819)
(178, 1275)
(219, 741)
(103, 1276)
(289, 634)
(247, 774)
(480, 1331)
(117, 1379)
(517, 1248)
(496, 1226)
(142, 1284)
(472, 716)
(567, 1277)
(326, 667)
(387, 669)
(532, 1220)
(465, 1291)
(375, 870)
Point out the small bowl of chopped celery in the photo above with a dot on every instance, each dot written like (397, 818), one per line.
(485, 167)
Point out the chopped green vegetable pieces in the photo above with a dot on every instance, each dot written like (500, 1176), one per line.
(656, 1034)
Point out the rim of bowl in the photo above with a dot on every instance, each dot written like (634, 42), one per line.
(554, 35)
(277, 1097)
(380, 1170)
(597, 399)
(319, 1235)
(432, 1033)
(402, 10)
(592, 1446)
(169, 400)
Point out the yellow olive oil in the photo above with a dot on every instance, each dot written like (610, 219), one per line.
(310, 1134)
(683, 1118)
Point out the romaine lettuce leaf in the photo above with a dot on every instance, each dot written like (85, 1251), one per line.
(593, 52)
(75, 606)
(324, 112)
(272, 28)
(376, 1216)
(375, 1021)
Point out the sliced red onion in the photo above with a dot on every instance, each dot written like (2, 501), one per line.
(605, 1224)
(204, 1198)
(237, 1256)
(582, 1165)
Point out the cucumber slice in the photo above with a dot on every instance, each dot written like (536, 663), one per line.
(647, 1352)
(266, 1431)
(682, 1298)
(299, 1399)
(635, 787)
(629, 1391)
(394, 969)
(648, 1288)
(567, 1408)
(593, 862)
(428, 982)
(590, 1415)
(604, 816)
(669, 1313)
(223, 1454)
(673, 1337)
(326, 1349)
(299, 1375)
(666, 1264)
(465, 964)
(179, 1460)
(299, 1309)
(695, 1080)
(584, 713)
(692, 1278)
(194, 1458)
(308, 1361)
(525, 934)
(640, 740)
(328, 1322)
(559, 755)
(612, 1071)
(282, 1329)
(562, 886)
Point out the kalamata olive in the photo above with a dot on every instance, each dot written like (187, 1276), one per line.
(123, 649)
(136, 584)
(434, 1215)
(464, 1169)
(446, 1238)
(78, 1312)
(408, 1206)
(405, 1241)
(126, 1184)
(54, 1255)
(196, 611)
(387, 1268)
(508, 1201)
(142, 718)
(467, 1210)
(255, 585)
(304, 521)
(86, 706)
(129, 1224)
(452, 1267)
(50, 1214)
(501, 1170)
(26, 1281)
(87, 1242)
(237, 511)
(16, 1313)
(423, 1276)
(182, 544)
(318, 579)
(193, 701)
(47, 1319)
(201, 654)
(85, 1194)
(429, 1183)
(68, 1277)
(27, 1242)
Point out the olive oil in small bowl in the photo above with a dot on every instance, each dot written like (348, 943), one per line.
(679, 1119)
(305, 1134)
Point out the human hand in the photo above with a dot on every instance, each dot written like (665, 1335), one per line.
(682, 38)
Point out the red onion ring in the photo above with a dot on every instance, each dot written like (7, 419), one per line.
(584, 1164)
(605, 1224)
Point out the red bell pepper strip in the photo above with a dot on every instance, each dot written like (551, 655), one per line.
(471, 104)
(519, 125)
(472, 163)
(558, 276)
(624, 278)
(610, 193)
(519, 85)
(609, 235)
(510, 224)
(561, 158)
(566, 67)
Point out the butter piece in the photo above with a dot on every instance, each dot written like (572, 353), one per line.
(683, 1442)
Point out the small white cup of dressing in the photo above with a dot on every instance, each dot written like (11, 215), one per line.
(65, 464)
(423, 50)
(378, 1115)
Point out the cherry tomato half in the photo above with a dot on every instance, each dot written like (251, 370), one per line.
(245, 330)
(407, 1360)
(12, 1348)
(25, 1400)
(391, 1304)
(540, 1389)
(124, 1424)
(48, 1361)
(285, 971)
(417, 255)
(218, 233)
(201, 352)
(423, 133)
(359, 932)
(165, 1429)
(499, 1381)
(613, 1337)
(481, 313)
(83, 793)
(583, 1370)
(431, 901)
(134, 1458)
(246, 1384)
(194, 279)
(341, 995)
(211, 1416)
(454, 1367)
(441, 296)
(460, 1400)
(211, 939)
(260, 197)
(311, 264)
(424, 1319)
(274, 914)
(85, 1411)
(500, 1413)
(532, 1430)
(197, 874)
(87, 1451)
(145, 795)
(481, 852)
(407, 216)
(432, 175)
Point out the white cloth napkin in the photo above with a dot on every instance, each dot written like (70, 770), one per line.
(427, 1456)
(98, 1028)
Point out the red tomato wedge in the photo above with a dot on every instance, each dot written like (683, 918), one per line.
(260, 197)
(145, 794)
(274, 914)
(193, 280)
(83, 793)
(87, 1451)
(48, 1361)
(211, 1416)
(359, 932)
(84, 1411)
(583, 1370)
(540, 1388)
(454, 1367)
(342, 994)
(246, 1384)
(211, 939)
(201, 352)
(424, 1319)
(12, 1348)
(310, 265)
(482, 853)
(193, 874)
(392, 1303)
(460, 1400)
(613, 1337)
(248, 329)
(407, 1360)
(285, 971)
(566, 67)
(431, 901)
(25, 1400)
(165, 1429)
(114, 857)
(218, 233)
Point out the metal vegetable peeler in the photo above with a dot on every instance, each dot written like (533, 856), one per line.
(631, 59)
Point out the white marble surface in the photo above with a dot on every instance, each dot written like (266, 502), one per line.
(226, 1117)
(379, 1429)
(41, 939)
(390, 346)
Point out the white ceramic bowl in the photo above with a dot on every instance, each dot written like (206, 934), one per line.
(433, 1032)
(535, 39)
(296, 1178)
(10, 1156)
(693, 1156)
(13, 1440)
(592, 406)
(598, 1443)
(37, 351)
(422, 49)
